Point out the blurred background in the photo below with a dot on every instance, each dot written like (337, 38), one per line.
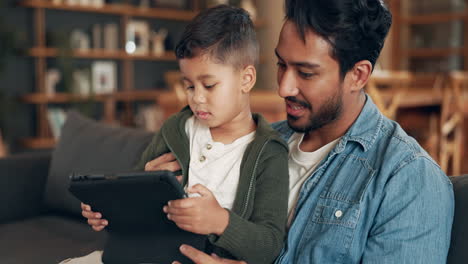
(112, 60)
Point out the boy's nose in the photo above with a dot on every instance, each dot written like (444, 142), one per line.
(199, 97)
(287, 85)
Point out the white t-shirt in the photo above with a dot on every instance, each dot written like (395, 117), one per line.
(301, 165)
(214, 164)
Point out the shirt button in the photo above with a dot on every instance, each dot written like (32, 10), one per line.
(338, 214)
(202, 158)
(209, 146)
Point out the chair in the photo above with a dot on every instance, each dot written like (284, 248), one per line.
(396, 83)
(451, 123)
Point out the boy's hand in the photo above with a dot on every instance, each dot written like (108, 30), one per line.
(202, 215)
(199, 257)
(94, 219)
(164, 162)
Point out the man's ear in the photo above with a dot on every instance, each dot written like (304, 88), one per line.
(358, 76)
(249, 77)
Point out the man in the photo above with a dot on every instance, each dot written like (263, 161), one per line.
(368, 192)
(361, 190)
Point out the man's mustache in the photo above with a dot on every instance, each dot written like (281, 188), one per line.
(297, 101)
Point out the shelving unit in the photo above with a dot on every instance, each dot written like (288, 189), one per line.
(413, 43)
(126, 95)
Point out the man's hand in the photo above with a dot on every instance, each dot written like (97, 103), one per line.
(94, 218)
(164, 162)
(199, 257)
(201, 215)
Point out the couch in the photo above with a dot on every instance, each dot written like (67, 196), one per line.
(40, 222)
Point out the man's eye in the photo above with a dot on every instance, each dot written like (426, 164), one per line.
(306, 75)
(189, 87)
(281, 65)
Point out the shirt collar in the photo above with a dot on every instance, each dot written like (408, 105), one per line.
(366, 127)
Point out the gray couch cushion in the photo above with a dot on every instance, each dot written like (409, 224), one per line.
(89, 146)
(47, 239)
(459, 245)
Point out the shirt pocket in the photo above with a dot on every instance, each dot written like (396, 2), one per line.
(330, 232)
(341, 214)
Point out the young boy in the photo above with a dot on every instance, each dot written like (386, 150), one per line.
(233, 164)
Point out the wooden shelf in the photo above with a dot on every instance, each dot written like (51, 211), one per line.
(116, 9)
(433, 18)
(433, 53)
(100, 54)
(38, 143)
(63, 98)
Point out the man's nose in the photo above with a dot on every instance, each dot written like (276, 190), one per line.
(287, 85)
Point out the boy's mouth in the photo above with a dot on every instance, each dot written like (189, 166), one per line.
(202, 115)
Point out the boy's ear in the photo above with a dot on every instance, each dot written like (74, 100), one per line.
(249, 77)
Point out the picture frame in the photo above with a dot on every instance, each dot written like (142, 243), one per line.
(104, 77)
(137, 38)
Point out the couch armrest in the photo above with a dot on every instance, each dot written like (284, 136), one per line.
(22, 183)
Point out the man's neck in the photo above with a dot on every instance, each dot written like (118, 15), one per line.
(316, 139)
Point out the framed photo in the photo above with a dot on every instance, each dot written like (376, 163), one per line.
(179, 4)
(104, 77)
(137, 41)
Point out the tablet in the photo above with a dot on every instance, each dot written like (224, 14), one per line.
(139, 231)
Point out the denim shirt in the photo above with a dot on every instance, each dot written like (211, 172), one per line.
(376, 198)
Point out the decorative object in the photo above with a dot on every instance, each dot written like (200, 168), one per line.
(150, 117)
(52, 77)
(72, 2)
(104, 77)
(144, 4)
(84, 2)
(79, 40)
(111, 37)
(97, 3)
(158, 39)
(97, 36)
(137, 41)
(56, 117)
(249, 6)
(211, 3)
(82, 82)
(180, 4)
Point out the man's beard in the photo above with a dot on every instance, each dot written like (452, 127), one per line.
(329, 112)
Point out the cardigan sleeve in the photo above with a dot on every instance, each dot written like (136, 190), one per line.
(153, 150)
(259, 239)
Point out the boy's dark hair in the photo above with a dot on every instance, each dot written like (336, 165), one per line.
(355, 29)
(224, 32)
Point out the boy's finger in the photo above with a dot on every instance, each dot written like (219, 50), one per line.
(85, 207)
(160, 160)
(182, 203)
(176, 211)
(201, 189)
(181, 220)
(196, 255)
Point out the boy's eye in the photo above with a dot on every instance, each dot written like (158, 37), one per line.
(210, 86)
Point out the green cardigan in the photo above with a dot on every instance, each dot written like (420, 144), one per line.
(257, 220)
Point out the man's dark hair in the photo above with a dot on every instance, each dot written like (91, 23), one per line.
(224, 32)
(355, 29)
